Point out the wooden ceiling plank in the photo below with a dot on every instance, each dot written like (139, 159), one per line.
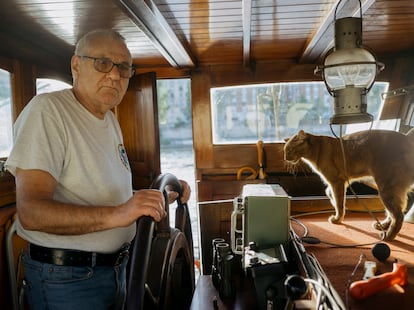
(247, 14)
(323, 40)
(214, 28)
(149, 19)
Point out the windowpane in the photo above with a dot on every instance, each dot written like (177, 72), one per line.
(6, 123)
(49, 85)
(272, 112)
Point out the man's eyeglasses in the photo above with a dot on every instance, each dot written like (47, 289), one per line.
(105, 65)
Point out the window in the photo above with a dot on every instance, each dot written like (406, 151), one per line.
(272, 112)
(6, 118)
(175, 125)
(49, 85)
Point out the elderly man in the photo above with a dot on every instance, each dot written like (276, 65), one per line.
(75, 203)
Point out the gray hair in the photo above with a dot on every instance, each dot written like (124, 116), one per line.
(88, 39)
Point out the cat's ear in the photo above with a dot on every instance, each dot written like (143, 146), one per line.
(302, 135)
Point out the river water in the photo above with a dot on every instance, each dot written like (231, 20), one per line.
(179, 161)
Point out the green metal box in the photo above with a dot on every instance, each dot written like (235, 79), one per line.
(266, 215)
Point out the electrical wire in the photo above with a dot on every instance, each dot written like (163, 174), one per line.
(317, 277)
(361, 257)
(307, 239)
(321, 283)
(305, 235)
(334, 298)
(323, 286)
(383, 235)
(316, 268)
(350, 186)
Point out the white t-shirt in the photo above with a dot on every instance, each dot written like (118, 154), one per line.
(86, 156)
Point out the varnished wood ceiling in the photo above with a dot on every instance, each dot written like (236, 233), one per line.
(211, 32)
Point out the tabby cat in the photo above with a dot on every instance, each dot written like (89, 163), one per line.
(379, 158)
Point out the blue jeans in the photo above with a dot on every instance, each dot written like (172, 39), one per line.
(53, 287)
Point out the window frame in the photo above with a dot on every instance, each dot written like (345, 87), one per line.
(293, 92)
(9, 131)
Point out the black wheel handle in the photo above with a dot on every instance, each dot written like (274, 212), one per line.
(141, 249)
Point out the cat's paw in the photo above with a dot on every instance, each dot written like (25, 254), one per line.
(382, 226)
(335, 219)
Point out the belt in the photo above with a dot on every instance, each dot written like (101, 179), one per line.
(64, 257)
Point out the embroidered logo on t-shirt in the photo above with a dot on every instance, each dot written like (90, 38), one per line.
(123, 156)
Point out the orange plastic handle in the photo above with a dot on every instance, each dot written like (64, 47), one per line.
(365, 288)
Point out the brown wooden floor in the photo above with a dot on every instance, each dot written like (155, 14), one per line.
(338, 263)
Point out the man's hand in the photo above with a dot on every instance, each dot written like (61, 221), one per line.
(172, 195)
(148, 202)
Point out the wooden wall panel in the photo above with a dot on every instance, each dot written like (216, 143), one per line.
(214, 222)
(23, 85)
(7, 189)
(201, 112)
(219, 189)
(138, 117)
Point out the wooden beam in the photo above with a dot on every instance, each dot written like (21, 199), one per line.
(146, 15)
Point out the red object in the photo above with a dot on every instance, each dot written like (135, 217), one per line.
(365, 288)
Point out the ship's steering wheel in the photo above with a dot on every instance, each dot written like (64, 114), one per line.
(161, 266)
